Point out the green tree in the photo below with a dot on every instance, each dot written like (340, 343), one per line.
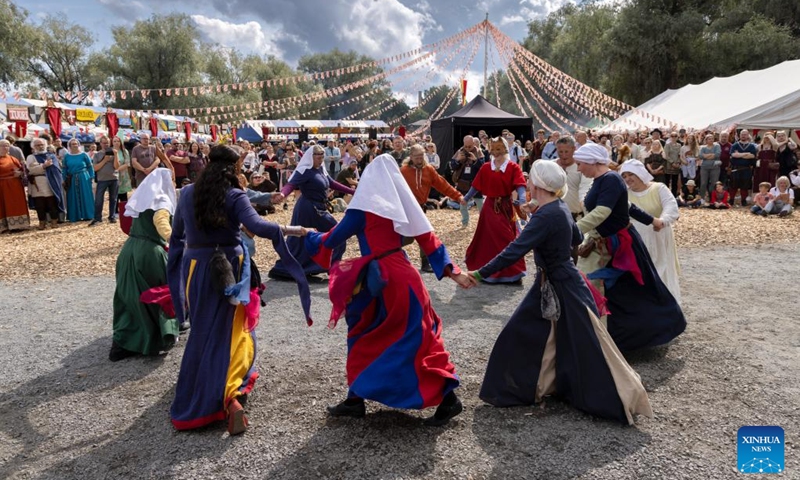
(59, 59)
(16, 35)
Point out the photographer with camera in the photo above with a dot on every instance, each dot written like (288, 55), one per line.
(106, 165)
(465, 165)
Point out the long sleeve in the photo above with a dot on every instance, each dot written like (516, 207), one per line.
(338, 187)
(259, 198)
(174, 263)
(287, 189)
(669, 206)
(34, 167)
(639, 215)
(161, 222)
(87, 162)
(471, 193)
(437, 255)
(591, 220)
(439, 183)
(321, 245)
(520, 195)
(584, 187)
(534, 233)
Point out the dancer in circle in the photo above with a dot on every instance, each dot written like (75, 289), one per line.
(643, 312)
(554, 343)
(310, 210)
(656, 199)
(141, 328)
(497, 179)
(210, 281)
(395, 352)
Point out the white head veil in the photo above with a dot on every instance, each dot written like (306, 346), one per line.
(307, 161)
(383, 191)
(549, 175)
(637, 168)
(592, 153)
(156, 192)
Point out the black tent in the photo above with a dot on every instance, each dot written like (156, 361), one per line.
(448, 133)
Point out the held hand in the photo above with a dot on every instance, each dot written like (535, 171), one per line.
(473, 280)
(277, 197)
(17, 172)
(305, 231)
(48, 163)
(462, 201)
(462, 280)
(658, 224)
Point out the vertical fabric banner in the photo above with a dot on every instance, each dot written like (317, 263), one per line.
(153, 127)
(21, 128)
(463, 91)
(113, 124)
(54, 119)
(265, 133)
(233, 135)
(187, 127)
(213, 133)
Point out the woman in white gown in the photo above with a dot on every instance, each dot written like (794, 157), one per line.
(656, 199)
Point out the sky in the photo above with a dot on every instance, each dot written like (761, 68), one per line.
(289, 29)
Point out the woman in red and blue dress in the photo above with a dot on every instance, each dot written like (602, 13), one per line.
(395, 352)
(211, 282)
(643, 312)
(497, 179)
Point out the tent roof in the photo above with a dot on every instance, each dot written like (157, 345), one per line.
(479, 107)
(754, 98)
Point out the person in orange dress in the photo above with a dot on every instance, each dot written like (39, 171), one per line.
(13, 203)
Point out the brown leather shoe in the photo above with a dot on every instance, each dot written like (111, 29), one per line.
(237, 421)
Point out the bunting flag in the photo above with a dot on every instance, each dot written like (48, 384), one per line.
(463, 91)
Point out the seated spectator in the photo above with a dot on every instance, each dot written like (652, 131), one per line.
(762, 199)
(348, 176)
(720, 198)
(783, 198)
(690, 196)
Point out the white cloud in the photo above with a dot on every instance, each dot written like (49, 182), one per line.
(378, 28)
(247, 37)
(509, 19)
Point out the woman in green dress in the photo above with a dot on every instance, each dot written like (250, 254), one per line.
(141, 328)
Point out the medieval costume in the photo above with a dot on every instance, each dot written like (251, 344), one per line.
(13, 204)
(554, 343)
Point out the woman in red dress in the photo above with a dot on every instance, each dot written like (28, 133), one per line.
(395, 352)
(496, 180)
(767, 169)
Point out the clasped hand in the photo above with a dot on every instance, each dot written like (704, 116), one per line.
(465, 280)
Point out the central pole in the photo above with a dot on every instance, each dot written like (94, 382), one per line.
(485, 53)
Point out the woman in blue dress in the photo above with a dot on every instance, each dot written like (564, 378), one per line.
(78, 174)
(643, 312)
(311, 209)
(209, 276)
(554, 343)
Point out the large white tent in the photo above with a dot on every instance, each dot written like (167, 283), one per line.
(768, 98)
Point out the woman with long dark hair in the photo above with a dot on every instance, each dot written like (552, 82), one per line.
(211, 280)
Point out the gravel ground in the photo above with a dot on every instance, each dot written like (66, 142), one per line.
(67, 412)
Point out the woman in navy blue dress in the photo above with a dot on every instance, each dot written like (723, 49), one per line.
(643, 312)
(554, 343)
(310, 210)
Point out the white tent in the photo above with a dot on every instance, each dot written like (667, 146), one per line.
(768, 98)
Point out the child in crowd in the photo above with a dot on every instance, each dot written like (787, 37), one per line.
(762, 199)
(720, 198)
(690, 196)
(783, 198)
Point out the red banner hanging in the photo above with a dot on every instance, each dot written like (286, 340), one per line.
(464, 91)
(187, 127)
(54, 119)
(21, 128)
(265, 133)
(213, 133)
(113, 124)
(233, 135)
(154, 127)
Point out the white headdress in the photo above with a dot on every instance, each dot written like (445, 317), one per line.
(592, 153)
(637, 168)
(383, 191)
(156, 192)
(549, 175)
(307, 161)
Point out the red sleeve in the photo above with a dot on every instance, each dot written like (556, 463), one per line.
(477, 182)
(517, 179)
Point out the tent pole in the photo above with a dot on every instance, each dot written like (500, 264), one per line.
(485, 53)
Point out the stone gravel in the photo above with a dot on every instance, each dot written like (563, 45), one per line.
(69, 413)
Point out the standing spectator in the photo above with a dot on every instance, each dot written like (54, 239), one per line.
(672, 149)
(786, 155)
(45, 185)
(709, 166)
(632, 142)
(270, 166)
(333, 156)
(143, 158)
(15, 151)
(724, 157)
(106, 167)
(78, 174)
(465, 165)
(399, 152)
(689, 153)
(386, 145)
(743, 159)
(766, 165)
(656, 136)
(656, 162)
(644, 149)
(197, 161)
(59, 149)
(515, 152)
(550, 150)
(577, 185)
(537, 146)
(180, 161)
(13, 204)
(92, 149)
